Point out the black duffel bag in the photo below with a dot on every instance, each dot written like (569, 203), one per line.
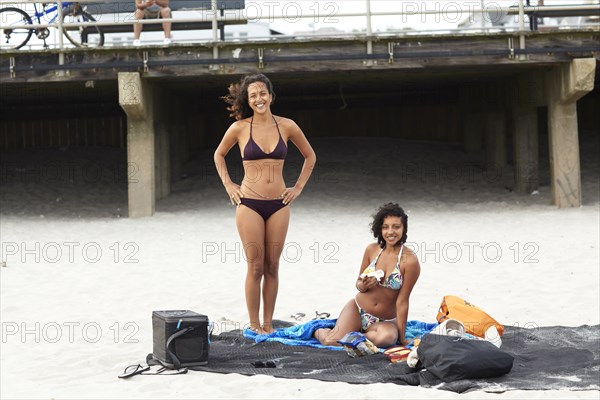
(452, 358)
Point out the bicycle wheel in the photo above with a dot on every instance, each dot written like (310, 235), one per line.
(82, 36)
(14, 38)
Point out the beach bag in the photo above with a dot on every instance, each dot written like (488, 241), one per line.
(180, 338)
(475, 320)
(452, 358)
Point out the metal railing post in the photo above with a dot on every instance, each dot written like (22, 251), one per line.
(482, 14)
(215, 26)
(522, 28)
(369, 30)
(61, 54)
(369, 33)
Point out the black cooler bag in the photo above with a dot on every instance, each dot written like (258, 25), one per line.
(451, 358)
(180, 338)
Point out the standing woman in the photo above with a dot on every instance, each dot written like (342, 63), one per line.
(262, 199)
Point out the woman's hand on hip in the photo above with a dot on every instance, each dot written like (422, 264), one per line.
(235, 193)
(290, 194)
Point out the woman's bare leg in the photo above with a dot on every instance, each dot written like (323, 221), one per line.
(251, 228)
(348, 321)
(382, 334)
(275, 233)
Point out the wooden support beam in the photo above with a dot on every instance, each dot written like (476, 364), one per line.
(528, 93)
(471, 111)
(163, 161)
(566, 84)
(530, 90)
(526, 154)
(577, 79)
(473, 131)
(495, 140)
(131, 95)
(565, 168)
(135, 97)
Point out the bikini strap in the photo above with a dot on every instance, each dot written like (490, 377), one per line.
(277, 125)
(251, 120)
(400, 253)
(377, 258)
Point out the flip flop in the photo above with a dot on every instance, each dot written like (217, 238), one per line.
(133, 370)
(298, 316)
(167, 371)
(323, 315)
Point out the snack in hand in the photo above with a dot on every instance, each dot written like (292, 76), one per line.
(377, 274)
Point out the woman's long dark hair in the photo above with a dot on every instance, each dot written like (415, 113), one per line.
(238, 95)
(388, 210)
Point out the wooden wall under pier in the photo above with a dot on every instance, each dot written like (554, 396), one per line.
(63, 132)
(430, 122)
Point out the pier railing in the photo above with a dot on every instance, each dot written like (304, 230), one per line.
(334, 19)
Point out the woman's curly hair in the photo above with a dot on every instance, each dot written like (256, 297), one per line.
(238, 95)
(388, 210)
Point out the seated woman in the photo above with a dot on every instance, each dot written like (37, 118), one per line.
(387, 275)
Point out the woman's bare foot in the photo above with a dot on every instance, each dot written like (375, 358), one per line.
(256, 328)
(268, 328)
(321, 334)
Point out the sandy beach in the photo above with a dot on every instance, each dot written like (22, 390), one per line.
(81, 280)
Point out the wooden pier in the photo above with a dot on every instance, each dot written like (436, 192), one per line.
(162, 102)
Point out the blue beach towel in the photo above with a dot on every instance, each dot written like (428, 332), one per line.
(297, 335)
(416, 329)
(302, 335)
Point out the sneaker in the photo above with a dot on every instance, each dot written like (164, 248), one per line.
(137, 42)
(167, 41)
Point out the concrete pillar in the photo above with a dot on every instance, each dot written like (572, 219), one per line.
(135, 97)
(495, 140)
(566, 84)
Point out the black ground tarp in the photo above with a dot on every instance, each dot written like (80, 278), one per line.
(545, 358)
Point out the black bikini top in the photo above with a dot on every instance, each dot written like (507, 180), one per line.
(253, 152)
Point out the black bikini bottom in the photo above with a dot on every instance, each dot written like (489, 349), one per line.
(264, 208)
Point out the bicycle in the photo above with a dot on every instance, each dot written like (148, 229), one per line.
(15, 38)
